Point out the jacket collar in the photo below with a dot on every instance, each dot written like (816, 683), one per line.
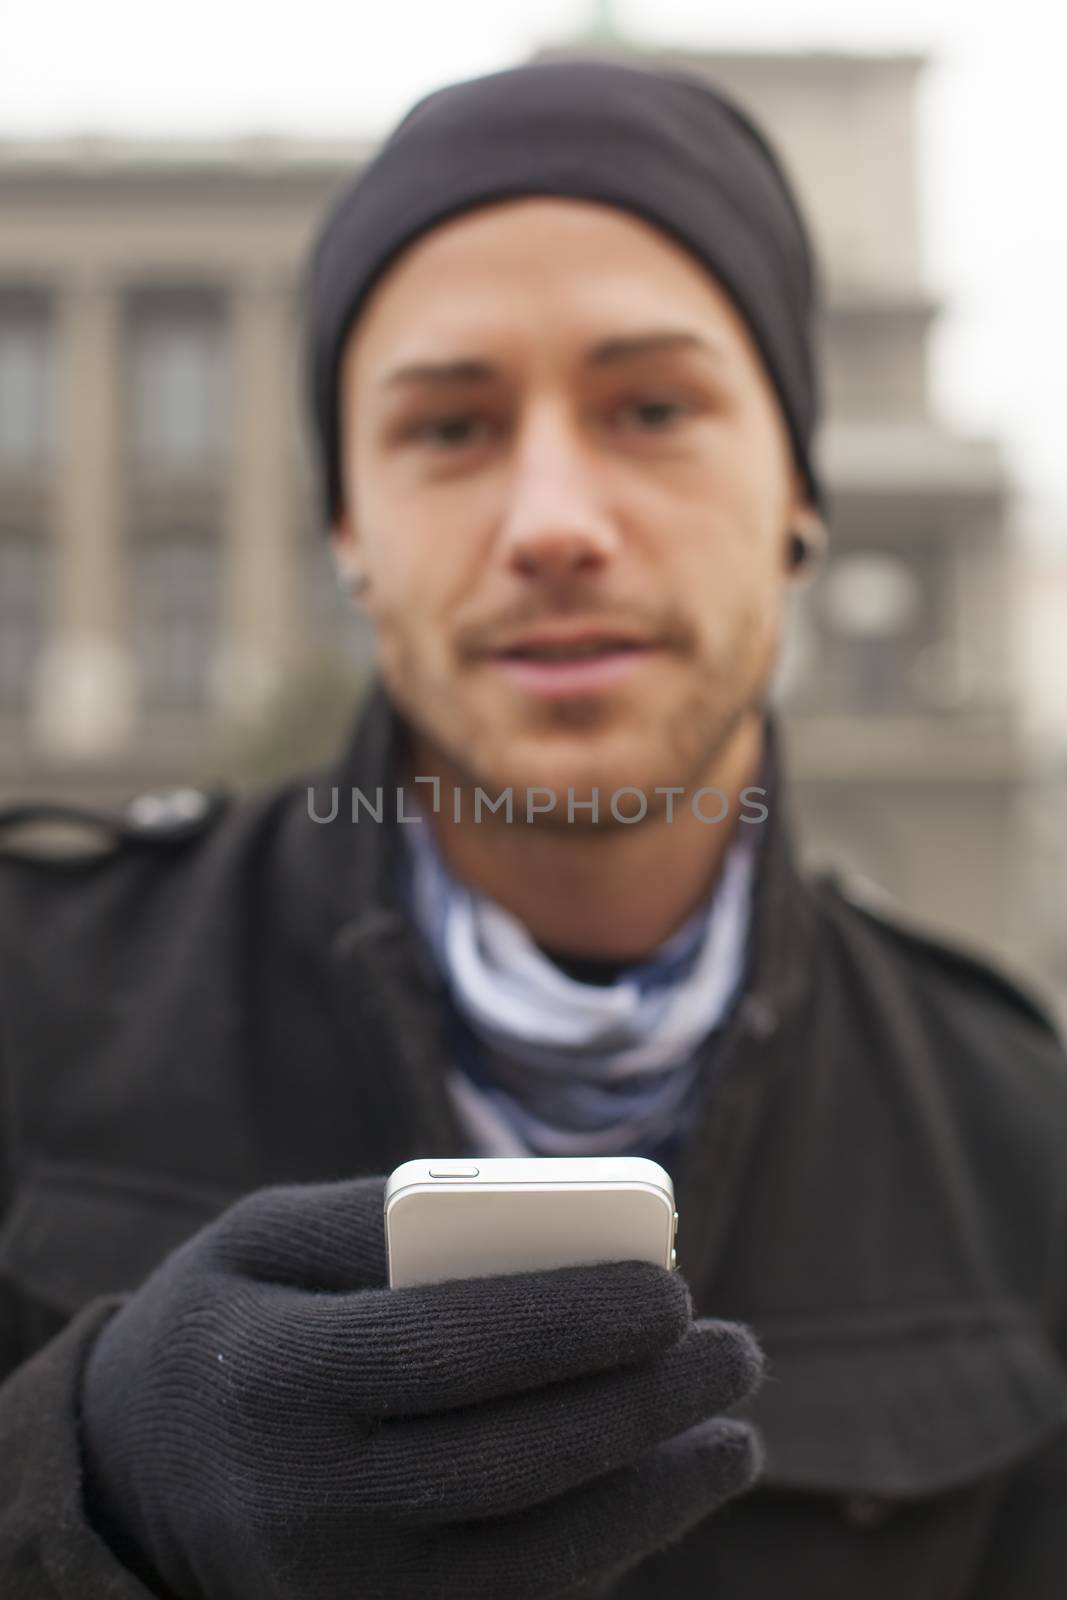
(355, 862)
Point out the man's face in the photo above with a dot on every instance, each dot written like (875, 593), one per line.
(574, 484)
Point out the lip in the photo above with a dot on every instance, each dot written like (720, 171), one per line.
(566, 679)
(576, 633)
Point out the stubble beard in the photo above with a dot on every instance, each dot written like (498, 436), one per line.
(690, 745)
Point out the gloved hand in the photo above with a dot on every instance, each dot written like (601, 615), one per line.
(265, 1419)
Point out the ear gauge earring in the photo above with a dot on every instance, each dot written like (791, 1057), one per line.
(804, 548)
(799, 550)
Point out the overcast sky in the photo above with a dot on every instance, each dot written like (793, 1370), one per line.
(993, 131)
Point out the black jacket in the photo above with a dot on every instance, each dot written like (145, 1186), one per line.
(875, 1181)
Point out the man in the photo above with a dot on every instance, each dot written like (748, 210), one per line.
(563, 390)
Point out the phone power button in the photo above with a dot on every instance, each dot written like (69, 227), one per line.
(453, 1172)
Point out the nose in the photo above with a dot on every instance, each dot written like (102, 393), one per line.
(556, 525)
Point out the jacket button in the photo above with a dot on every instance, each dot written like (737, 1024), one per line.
(866, 1510)
(164, 811)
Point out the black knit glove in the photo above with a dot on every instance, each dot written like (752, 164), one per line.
(265, 1419)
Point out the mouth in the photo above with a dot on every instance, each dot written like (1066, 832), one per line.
(555, 666)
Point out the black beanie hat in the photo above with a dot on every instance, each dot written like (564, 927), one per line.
(663, 143)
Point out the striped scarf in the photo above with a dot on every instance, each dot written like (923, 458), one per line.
(543, 1064)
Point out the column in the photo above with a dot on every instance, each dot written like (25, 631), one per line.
(83, 704)
(260, 557)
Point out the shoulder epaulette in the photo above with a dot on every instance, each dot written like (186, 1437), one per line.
(59, 830)
(949, 950)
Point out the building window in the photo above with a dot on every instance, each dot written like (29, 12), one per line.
(872, 605)
(175, 579)
(177, 384)
(22, 619)
(25, 384)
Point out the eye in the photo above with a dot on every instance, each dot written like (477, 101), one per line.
(655, 406)
(455, 427)
(457, 430)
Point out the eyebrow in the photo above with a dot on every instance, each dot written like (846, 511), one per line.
(470, 369)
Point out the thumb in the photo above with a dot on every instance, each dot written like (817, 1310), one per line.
(328, 1236)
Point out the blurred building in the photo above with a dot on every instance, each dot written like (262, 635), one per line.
(161, 561)
(1043, 663)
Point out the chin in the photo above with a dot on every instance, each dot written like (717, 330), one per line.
(618, 764)
(603, 745)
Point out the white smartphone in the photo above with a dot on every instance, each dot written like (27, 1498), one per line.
(457, 1218)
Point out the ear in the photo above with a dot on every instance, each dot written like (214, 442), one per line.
(344, 547)
(805, 535)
